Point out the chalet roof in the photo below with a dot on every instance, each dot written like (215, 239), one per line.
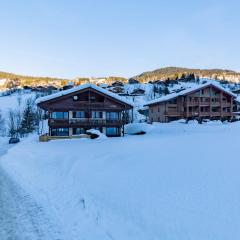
(82, 87)
(188, 91)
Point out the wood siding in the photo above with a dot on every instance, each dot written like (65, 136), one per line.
(209, 103)
(89, 100)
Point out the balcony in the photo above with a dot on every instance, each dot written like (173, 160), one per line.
(84, 122)
(172, 113)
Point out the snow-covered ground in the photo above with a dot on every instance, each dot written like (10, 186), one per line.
(179, 181)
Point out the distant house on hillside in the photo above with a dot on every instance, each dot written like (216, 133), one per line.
(133, 81)
(237, 91)
(138, 92)
(208, 101)
(117, 90)
(117, 84)
(72, 112)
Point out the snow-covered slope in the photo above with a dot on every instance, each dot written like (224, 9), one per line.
(179, 181)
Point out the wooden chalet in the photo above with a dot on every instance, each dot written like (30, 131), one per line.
(74, 111)
(207, 101)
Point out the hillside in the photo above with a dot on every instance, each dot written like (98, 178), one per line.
(13, 80)
(9, 80)
(174, 72)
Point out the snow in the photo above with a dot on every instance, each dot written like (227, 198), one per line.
(97, 132)
(136, 128)
(11, 102)
(178, 181)
(81, 87)
(3, 82)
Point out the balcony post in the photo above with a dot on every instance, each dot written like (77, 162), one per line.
(70, 114)
(231, 107)
(221, 104)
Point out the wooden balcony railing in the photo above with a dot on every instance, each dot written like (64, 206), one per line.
(84, 122)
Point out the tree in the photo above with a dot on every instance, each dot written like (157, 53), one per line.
(166, 91)
(29, 119)
(2, 125)
(12, 124)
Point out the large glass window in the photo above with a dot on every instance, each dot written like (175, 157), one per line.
(60, 115)
(78, 131)
(113, 115)
(113, 131)
(79, 114)
(97, 114)
(60, 132)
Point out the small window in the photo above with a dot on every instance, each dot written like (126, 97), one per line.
(78, 131)
(97, 114)
(92, 98)
(79, 114)
(59, 115)
(158, 109)
(113, 115)
(60, 132)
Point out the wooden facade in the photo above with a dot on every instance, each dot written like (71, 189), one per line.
(208, 102)
(73, 113)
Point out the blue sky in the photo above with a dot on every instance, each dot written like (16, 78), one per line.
(69, 38)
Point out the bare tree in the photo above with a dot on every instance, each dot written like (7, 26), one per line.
(2, 125)
(13, 128)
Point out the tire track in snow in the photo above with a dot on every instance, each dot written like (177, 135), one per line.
(21, 218)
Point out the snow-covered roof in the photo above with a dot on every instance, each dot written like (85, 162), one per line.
(187, 91)
(237, 99)
(79, 88)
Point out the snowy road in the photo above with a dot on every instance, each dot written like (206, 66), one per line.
(21, 218)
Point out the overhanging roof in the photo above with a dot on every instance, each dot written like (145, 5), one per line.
(80, 88)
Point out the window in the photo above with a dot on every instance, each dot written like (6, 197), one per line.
(158, 109)
(60, 132)
(112, 115)
(97, 114)
(202, 91)
(60, 115)
(92, 98)
(79, 114)
(112, 131)
(215, 109)
(226, 109)
(78, 131)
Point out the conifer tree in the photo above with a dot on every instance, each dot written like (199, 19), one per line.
(28, 119)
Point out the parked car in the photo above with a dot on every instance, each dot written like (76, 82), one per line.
(14, 140)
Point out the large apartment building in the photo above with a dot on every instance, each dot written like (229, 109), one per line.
(72, 112)
(207, 101)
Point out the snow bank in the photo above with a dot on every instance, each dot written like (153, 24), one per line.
(137, 128)
(98, 133)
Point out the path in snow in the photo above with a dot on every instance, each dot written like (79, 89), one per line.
(21, 218)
